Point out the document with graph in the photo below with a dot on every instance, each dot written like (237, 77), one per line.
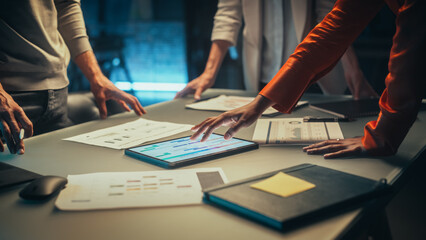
(107, 190)
(294, 131)
(130, 134)
(225, 103)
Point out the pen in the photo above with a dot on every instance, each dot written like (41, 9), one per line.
(326, 119)
(13, 145)
(203, 99)
(21, 134)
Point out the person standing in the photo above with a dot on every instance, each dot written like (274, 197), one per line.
(317, 54)
(272, 30)
(38, 38)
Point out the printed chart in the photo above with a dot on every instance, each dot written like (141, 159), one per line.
(130, 134)
(294, 131)
(137, 189)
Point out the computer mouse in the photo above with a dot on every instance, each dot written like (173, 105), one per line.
(43, 188)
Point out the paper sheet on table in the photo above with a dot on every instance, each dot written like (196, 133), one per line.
(225, 103)
(283, 185)
(294, 131)
(138, 189)
(130, 134)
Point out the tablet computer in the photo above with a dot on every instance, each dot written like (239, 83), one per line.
(182, 151)
(350, 108)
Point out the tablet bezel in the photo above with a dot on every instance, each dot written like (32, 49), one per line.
(189, 161)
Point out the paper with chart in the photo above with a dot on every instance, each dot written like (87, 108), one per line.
(130, 134)
(138, 189)
(225, 103)
(294, 131)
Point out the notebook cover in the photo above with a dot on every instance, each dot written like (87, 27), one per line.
(334, 191)
(350, 108)
(11, 175)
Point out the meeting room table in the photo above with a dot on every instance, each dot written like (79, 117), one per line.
(49, 154)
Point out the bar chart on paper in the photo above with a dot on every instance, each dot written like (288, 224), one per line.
(294, 131)
(130, 134)
(135, 189)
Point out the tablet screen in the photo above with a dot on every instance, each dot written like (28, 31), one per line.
(180, 149)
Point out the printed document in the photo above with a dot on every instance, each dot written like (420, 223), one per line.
(138, 189)
(130, 134)
(294, 131)
(225, 103)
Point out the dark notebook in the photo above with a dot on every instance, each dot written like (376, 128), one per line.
(11, 175)
(350, 108)
(334, 191)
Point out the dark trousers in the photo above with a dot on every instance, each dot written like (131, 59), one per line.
(46, 109)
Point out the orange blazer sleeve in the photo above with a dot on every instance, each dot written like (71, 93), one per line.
(405, 83)
(326, 43)
(320, 51)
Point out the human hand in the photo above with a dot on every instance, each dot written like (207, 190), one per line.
(103, 89)
(197, 86)
(236, 119)
(358, 85)
(13, 119)
(337, 148)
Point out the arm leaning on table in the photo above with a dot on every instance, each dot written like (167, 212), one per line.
(355, 80)
(102, 88)
(310, 61)
(357, 84)
(319, 52)
(206, 80)
(72, 29)
(401, 99)
(227, 24)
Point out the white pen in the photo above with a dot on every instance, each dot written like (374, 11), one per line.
(21, 134)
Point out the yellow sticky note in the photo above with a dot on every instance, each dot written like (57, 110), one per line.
(283, 185)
